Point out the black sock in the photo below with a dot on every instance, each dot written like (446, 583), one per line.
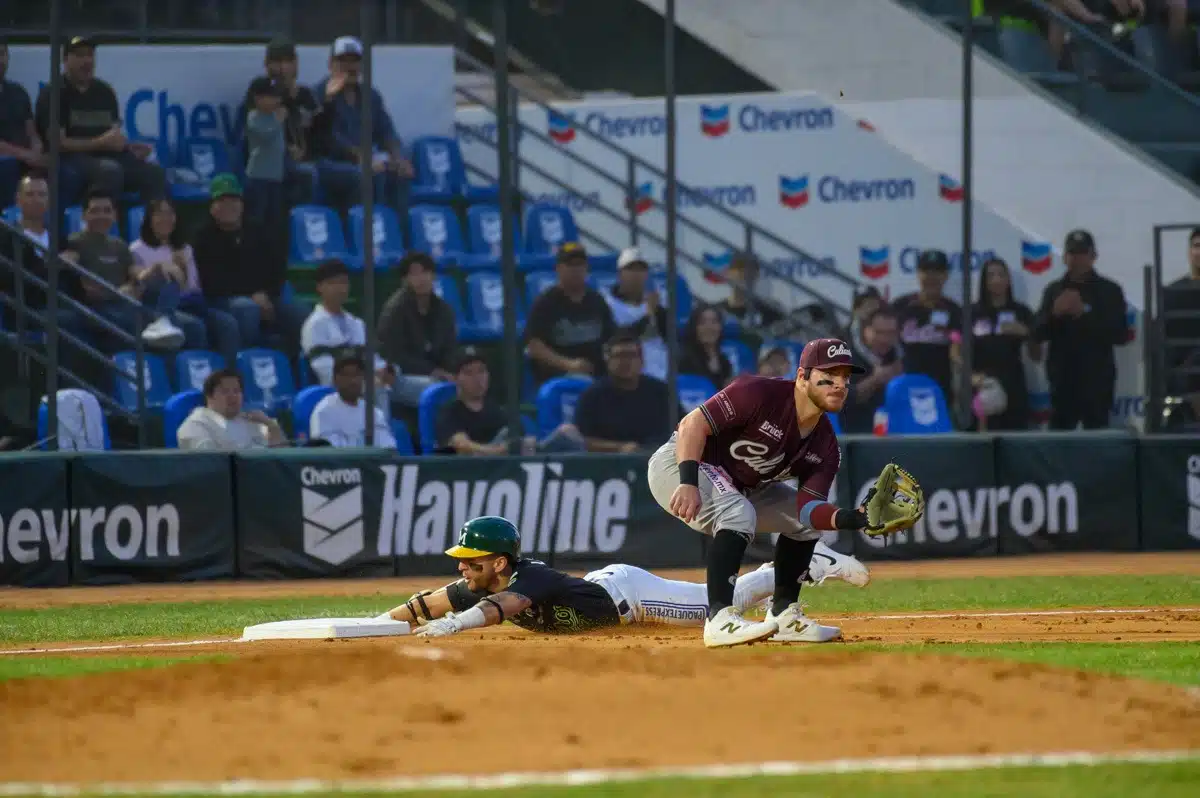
(791, 561)
(724, 561)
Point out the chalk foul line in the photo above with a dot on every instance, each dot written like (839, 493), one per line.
(575, 778)
(120, 646)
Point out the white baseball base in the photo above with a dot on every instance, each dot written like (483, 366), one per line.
(324, 629)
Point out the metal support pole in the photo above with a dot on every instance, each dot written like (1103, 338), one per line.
(460, 28)
(968, 52)
(54, 213)
(508, 266)
(1150, 378)
(367, 199)
(672, 201)
(631, 193)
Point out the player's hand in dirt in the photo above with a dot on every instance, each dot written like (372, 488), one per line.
(685, 502)
(442, 627)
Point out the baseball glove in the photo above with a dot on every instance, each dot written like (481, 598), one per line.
(895, 503)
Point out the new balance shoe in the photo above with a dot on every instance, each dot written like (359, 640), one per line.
(795, 627)
(729, 628)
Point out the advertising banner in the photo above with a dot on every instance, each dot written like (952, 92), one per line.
(169, 92)
(151, 517)
(957, 475)
(34, 520)
(1066, 492)
(1169, 473)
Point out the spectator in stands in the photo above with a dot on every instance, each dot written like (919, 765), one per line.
(471, 424)
(931, 323)
(18, 134)
(266, 153)
(626, 410)
(108, 258)
(93, 143)
(331, 332)
(880, 354)
(775, 362)
(302, 106)
(32, 197)
(339, 123)
(866, 302)
(222, 425)
(1183, 296)
(341, 417)
(639, 311)
(243, 269)
(700, 351)
(1001, 329)
(417, 331)
(742, 306)
(569, 322)
(1082, 317)
(160, 243)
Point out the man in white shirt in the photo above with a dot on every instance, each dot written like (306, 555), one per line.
(33, 198)
(331, 330)
(221, 425)
(341, 418)
(639, 311)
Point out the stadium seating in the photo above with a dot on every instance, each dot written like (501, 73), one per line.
(740, 356)
(441, 176)
(175, 412)
(556, 401)
(683, 294)
(157, 386)
(317, 236)
(268, 380)
(548, 227)
(389, 242)
(134, 221)
(74, 219)
(435, 230)
(836, 420)
(12, 214)
(915, 405)
(485, 303)
(302, 408)
(483, 242)
(693, 390)
(192, 367)
(404, 444)
(196, 162)
(432, 398)
(537, 283)
(446, 288)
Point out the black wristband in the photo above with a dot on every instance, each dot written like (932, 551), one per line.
(849, 520)
(689, 473)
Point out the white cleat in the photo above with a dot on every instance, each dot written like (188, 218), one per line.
(795, 627)
(829, 564)
(729, 628)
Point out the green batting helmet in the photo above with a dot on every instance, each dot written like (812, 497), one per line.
(489, 534)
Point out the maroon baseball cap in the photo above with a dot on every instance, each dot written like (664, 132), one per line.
(825, 353)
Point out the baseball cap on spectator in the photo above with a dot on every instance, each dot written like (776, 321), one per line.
(80, 42)
(465, 357)
(329, 269)
(933, 260)
(826, 353)
(224, 185)
(347, 46)
(631, 257)
(1079, 242)
(571, 252)
(263, 85)
(281, 49)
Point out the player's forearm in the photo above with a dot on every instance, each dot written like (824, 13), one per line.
(423, 606)
(826, 517)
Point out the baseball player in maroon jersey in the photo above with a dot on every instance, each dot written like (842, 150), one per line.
(723, 471)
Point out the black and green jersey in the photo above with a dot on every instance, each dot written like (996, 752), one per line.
(561, 603)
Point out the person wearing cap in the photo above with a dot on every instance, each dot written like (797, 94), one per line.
(339, 127)
(94, 147)
(300, 170)
(417, 331)
(20, 147)
(1082, 317)
(341, 417)
(243, 268)
(742, 305)
(625, 411)
(266, 148)
(931, 323)
(639, 311)
(569, 322)
(866, 302)
(471, 424)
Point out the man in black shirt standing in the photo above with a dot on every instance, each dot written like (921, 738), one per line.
(1082, 317)
(930, 324)
(626, 410)
(93, 143)
(18, 135)
(302, 107)
(1181, 322)
(569, 322)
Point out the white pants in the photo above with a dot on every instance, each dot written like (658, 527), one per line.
(642, 597)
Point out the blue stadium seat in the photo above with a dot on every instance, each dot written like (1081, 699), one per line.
(441, 175)
(133, 221)
(404, 445)
(192, 367)
(446, 288)
(915, 405)
(43, 426)
(836, 421)
(317, 236)
(485, 303)
(683, 295)
(158, 387)
(435, 230)
(483, 241)
(694, 391)
(536, 283)
(548, 227)
(12, 214)
(556, 401)
(432, 398)
(268, 380)
(197, 161)
(175, 412)
(10, 177)
(74, 219)
(302, 408)
(740, 357)
(389, 242)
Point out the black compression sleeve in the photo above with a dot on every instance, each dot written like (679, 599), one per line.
(850, 520)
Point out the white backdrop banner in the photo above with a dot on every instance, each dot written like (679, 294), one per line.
(795, 165)
(169, 92)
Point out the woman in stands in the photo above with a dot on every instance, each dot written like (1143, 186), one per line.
(160, 246)
(1000, 330)
(700, 352)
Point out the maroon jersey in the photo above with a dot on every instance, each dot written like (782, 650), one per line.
(755, 439)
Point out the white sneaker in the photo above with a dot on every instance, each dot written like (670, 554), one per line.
(829, 564)
(162, 332)
(729, 628)
(794, 627)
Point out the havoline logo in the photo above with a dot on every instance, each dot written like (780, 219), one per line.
(420, 516)
(333, 523)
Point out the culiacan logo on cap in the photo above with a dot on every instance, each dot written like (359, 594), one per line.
(838, 350)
